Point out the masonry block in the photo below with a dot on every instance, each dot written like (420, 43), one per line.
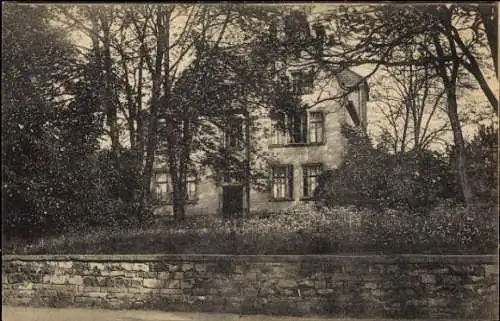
(152, 283)
(366, 286)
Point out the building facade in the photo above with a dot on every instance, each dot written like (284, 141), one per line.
(299, 149)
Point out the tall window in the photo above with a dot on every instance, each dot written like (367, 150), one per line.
(311, 173)
(298, 128)
(282, 182)
(294, 131)
(279, 135)
(162, 187)
(302, 82)
(164, 191)
(191, 188)
(233, 136)
(316, 127)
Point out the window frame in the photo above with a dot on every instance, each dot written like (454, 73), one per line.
(278, 134)
(321, 122)
(282, 138)
(302, 82)
(193, 179)
(168, 184)
(288, 182)
(306, 179)
(303, 125)
(279, 137)
(233, 140)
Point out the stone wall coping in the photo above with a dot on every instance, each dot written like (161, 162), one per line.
(204, 258)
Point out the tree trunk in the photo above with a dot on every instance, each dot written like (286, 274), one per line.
(460, 147)
(469, 61)
(474, 68)
(489, 17)
(108, 90)
(177, 185)
(151, 144)
(182, 170)
(179, 210)
(180, 198)
(450, 85)
(406, 124)
(139, 119)
(185, 161)
(153, 118)
(248, 173)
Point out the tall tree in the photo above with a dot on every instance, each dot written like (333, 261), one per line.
(446, 37)
(357, 35)
(42, 180)
(150, 46)
(410, 99)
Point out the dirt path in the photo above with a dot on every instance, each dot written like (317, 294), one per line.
(10, 313)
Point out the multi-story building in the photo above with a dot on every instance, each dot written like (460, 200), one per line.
(308, 143)
(299, 146)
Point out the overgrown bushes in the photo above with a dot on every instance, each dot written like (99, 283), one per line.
(414, 181)
(444, 230)
(94, 193)
(55, 175)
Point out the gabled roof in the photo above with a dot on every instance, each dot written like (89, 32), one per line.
(348, 78)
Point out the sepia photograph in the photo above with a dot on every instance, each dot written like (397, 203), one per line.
(250, 161)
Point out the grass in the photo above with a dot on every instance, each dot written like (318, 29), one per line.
(284, 233)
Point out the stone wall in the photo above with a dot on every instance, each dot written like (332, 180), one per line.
(355, 286)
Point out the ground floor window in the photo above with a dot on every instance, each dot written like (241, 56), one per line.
(310, 175)
(162, 187)
(164, 191)
(282, 182)
(191, 189)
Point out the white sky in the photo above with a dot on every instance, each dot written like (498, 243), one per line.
(472, 99)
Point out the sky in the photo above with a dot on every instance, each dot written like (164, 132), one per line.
(472, 99)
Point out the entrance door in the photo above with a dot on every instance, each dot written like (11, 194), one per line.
(232, 201)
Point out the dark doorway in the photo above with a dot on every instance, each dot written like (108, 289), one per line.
(232, 201)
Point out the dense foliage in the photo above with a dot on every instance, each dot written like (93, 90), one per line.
(35, 161)
(483, 163)
(59, 101)
(54, 176)
(445, 230)
(371, 177)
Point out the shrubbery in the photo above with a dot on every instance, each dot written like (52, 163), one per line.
(370, 177)
(55, 176)
(94, 194)
(482, 166)
(444, 230)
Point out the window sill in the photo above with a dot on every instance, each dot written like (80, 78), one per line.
(189, 202)
(281, 200)
(295, 145)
